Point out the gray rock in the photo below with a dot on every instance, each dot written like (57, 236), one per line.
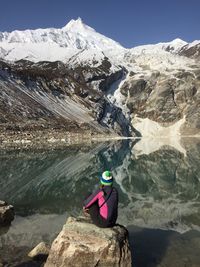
(6, 213)
(81, 244)
(40, 252)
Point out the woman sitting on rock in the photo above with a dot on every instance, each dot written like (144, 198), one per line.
(102, 205)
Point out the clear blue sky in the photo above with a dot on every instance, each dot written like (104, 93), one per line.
(130, 22)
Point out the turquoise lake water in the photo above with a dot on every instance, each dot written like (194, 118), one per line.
(159, 190)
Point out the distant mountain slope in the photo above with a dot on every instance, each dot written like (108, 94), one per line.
(49, 95)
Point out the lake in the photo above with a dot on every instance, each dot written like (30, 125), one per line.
(159, 189)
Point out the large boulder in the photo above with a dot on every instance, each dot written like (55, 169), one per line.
(6, 213)
(81, 244)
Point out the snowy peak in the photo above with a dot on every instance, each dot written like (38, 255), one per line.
(178, 42)
(77, 26)
(71, 34)
(175, 45)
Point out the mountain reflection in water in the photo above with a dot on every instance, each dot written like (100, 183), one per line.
(158, 189)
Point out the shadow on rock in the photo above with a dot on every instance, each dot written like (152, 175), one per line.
(148, 246)
(30, 264)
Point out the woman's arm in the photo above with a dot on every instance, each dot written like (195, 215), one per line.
(92, 198)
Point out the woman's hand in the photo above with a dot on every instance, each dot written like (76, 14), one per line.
(85, 210)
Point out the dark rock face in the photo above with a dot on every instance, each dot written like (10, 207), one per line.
(99, 78)
(52, 95)
(191, 52)
(6, 213)
(83, 244)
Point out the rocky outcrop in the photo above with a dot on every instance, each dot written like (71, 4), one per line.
(6, 213)
(81, 244)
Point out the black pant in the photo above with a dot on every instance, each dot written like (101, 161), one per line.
(96, 217)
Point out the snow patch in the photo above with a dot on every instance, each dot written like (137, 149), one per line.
(150, 128)
(155, 136)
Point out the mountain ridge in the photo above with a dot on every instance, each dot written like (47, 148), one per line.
(74, 36)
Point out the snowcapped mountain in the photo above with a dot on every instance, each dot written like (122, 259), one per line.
(74, 39)
(76, 70)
